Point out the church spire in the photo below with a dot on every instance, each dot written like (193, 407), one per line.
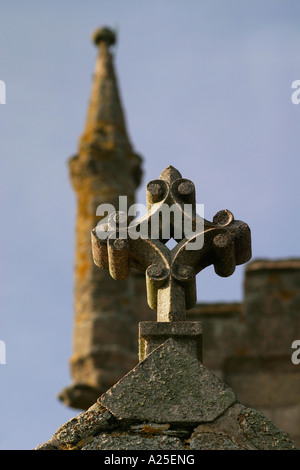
(105, 120)
(105, 167)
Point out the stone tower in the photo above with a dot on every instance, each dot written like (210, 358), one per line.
(105, 167)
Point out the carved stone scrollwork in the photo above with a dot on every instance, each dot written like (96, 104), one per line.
(171, 273)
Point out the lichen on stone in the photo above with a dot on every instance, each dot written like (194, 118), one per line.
(262, 432)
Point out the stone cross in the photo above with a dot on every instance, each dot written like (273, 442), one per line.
(121, 244)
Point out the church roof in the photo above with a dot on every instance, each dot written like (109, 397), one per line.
(157, 406)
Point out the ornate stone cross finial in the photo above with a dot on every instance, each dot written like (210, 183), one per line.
(121, 243)
(170, 274)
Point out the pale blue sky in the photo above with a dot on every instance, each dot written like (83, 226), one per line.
(206, 87)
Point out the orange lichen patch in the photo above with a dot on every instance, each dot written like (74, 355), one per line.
(81, 270)
(84, 202)
(77, 446)
(151, 429)
(287, 294)
(82, 317)
(74, 359)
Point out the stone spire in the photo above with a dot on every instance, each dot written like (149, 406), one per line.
(105, 116)
(104, 346)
